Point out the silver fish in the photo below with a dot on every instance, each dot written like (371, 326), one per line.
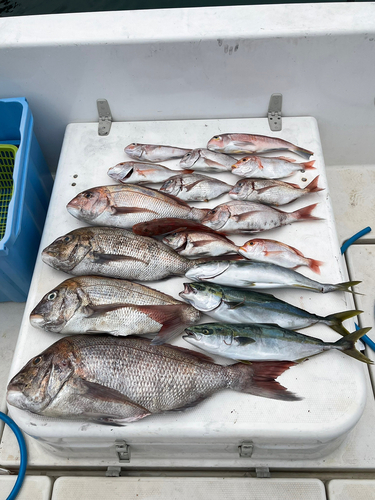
(116, 253)
(204, 159)
(90, 304)
(259, 275)
(250, 143)
(269, 168)
(153, 152)
(271, 192)
(118, 380)
(239, 305)
(261, 342)
(195, 187)
(239, 216)
(126, 205)
(199, 244)
(132, 172)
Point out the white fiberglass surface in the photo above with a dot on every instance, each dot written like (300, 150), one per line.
(332, 385)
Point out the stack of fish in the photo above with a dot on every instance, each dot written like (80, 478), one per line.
(118, 378)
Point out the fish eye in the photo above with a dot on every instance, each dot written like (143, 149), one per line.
(243, 159)
(251, 243)
(213, 211)
(217, 137)
(37, 360)
(88, 194)
(67, 239)
(206, 331)
(52, 296)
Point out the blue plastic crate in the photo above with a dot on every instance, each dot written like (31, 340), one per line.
(32, 185)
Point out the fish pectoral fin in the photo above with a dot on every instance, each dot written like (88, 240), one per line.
(96, 391)
(212, 163)
(263, 190)
(130, 210)
(244, 340)
(245, 215)
(234, 305)
(243, 143)
(104, 258)
(92, 311)
(285, 158)
(189, 187)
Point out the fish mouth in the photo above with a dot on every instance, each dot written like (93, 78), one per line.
(37, 320)
(188, 289)
(73, 207)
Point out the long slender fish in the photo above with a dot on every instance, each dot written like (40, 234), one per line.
(132, 172)
(269, 168)
(118, 380)
(91, 304)
(260, 275)
(116, 253)
(126, 205)
(153, 152)
(239, 305)
(275, 252)
(195, 243)
(271, 192)
(209, 161)
(238, 216)
(261, 342)
(195, 187)
(248, 143)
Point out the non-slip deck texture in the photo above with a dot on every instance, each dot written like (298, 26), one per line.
(33, 488)
(94, 488)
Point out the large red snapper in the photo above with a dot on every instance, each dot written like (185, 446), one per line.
(112, 380)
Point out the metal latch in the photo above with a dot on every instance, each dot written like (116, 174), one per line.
(246, 450)
(123, 451)
(262, 472)
(105, 117)
(274, 112)
(113, 471)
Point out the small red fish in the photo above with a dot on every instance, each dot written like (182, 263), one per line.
(275, 252)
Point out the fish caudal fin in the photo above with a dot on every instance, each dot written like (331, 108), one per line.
(259, 379)
(314, 265)
(335, 321)
(305, 153)
(347, 345)
(308, 165)
(304, 214)
(313, 186)
(343, 287)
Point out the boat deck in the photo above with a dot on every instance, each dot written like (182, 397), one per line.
(353, 462)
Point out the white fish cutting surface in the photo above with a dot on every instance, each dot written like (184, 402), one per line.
(332, 385)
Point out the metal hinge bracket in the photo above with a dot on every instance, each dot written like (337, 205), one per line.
(123, 451)
(246, 450)
(262, 472)
(274, 112)
(105, 117)
(113, 471)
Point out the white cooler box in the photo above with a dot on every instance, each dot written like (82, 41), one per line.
(229, 425)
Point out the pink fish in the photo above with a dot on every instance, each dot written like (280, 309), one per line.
(249, 143)
(153, 152)
(275, 252)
